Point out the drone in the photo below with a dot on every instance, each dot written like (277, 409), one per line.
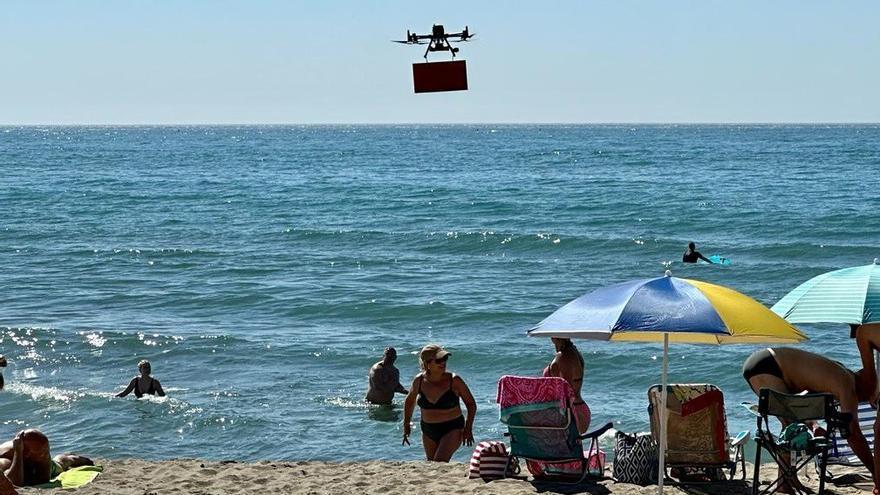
(437, 41)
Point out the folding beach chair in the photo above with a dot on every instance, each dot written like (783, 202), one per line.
(697, 442)
(542, 429)
(801, 448)
(839, 452)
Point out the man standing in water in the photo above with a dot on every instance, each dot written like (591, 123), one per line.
(385, 380)
(692, 255)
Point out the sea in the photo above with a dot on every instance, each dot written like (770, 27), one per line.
(263, 269)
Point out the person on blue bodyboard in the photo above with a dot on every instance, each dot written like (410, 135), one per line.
(692, 255)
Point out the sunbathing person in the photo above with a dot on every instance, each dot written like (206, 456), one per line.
(438, 395)
(25, 459)
(569, 364)
(792, 371)
(143, 384)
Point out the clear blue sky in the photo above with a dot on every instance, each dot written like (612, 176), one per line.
(83, 61)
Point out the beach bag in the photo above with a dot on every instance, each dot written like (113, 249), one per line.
(489, 460)
(635, 458)
(596, 462)
(797, 435)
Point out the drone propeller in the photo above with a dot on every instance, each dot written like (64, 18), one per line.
(464, 35)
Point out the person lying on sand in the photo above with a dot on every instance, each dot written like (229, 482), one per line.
(143, 384)
(792, 371)
(25, 460)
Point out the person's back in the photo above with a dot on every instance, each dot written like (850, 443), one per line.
(383, 383)
(569, 364)
(144, 384)
(804, 370)
(692, 255)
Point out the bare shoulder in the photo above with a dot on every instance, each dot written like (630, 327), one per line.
(457, 380)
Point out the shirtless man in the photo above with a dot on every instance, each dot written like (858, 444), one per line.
(384, 380)
(792, 371)
(868, 340)
(569, 364)
(25, 460)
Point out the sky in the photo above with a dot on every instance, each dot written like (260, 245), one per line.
(567, 61)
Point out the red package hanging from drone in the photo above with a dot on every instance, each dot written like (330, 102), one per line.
(431, 77)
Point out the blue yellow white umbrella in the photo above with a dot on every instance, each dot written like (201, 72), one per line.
(668, 309)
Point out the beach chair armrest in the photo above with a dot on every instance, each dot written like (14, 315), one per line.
(597, 432)
(752, 408)
(741, 438)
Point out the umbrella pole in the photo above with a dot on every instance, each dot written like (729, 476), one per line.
(661, 471)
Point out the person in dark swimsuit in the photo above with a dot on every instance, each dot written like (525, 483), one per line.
(2, 365)
(438, 395)
(143, 384)
(568, 363)
(692, 255)
(792, 371)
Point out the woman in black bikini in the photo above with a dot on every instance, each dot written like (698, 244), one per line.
(437, 393)
(143, 384)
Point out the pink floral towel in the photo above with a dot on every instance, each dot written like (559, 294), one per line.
(519, 390)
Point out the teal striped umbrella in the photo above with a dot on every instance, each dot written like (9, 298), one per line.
(850, 295)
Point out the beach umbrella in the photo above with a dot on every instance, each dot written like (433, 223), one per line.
(850, 295)
(668, 309)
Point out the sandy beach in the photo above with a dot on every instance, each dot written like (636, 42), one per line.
(189, 476)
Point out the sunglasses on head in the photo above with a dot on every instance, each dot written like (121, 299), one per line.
(441, 360)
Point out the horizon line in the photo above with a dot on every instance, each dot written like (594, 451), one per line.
(317, 124)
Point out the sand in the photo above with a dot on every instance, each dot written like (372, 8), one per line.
(376, 477)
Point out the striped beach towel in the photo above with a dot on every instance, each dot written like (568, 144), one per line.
(840, 452)
(489, 461)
